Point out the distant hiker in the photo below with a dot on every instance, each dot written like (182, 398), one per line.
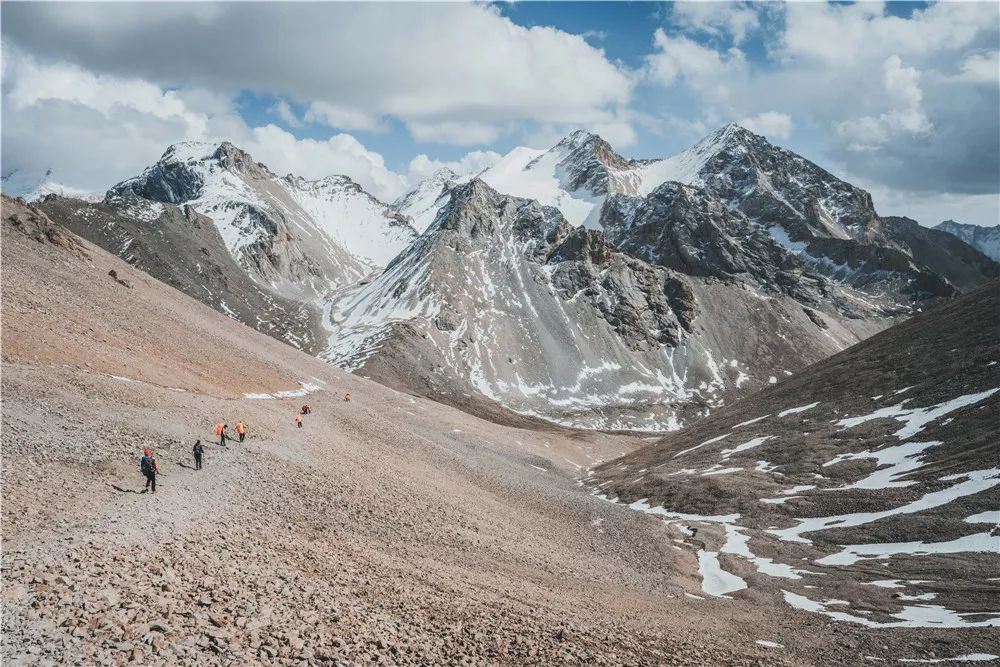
(221, 432)
(241, 429)
(199, 449)
(347, 396)
(149, 467)
(298, 420)
(306, 409)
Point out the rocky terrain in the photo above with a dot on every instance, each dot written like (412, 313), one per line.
(183, 248)
(394, 530)
(570, 284)
(503, 298)
(358, 539)
(742, 226)
(865, 489)
(984, 239)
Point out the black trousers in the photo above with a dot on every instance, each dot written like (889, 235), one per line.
(151, 480)
(197, 461)
(222, 439)
(242, 435)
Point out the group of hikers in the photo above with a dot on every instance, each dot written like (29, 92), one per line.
(222, 433)
(150, 467)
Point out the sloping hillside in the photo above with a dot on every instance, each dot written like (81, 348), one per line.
(502, 299)
(388, 529)
(864, 489)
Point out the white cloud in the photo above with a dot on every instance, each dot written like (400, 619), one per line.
(772, 124)
(313, 159)
(905, 101)
(452, 72)
(981, 68)
(342, 117)
(283, 110)
(906, 115)
(717, 18)
(459, 133)
(679, 57)
(471, 163)
(714, 75)
(97, 130)
(863, 31)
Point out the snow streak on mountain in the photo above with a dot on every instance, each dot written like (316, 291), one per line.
(571, 283)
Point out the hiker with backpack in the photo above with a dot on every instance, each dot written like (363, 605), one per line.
(221, 432)
(150, 468)
(298, 421)
(241, 429)
(199, 449)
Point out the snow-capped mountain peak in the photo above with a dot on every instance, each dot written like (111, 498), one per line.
(334, 230)
(984, 239)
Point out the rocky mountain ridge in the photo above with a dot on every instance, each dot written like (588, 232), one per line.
(503, 298)
(984, 239)
(864, 489)
(571, 283)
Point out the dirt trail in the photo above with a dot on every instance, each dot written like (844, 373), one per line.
(389, 530)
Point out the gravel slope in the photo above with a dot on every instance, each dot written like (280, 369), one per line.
(389, 530)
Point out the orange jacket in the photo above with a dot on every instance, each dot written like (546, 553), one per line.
(218, 429)
(241, 428)
(298, 418)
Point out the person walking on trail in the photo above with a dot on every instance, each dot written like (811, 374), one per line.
(306, 409)
(149, 467)
(199, 449)
(221, 432)
(298, 420)
(241, 429)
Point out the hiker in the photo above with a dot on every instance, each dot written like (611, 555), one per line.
(220, 432)
(347, 396)
(298, 420)
(149, 468)
(241, 429)
(199, 449)
(306, 409)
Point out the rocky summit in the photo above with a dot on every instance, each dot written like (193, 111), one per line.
(570, 284)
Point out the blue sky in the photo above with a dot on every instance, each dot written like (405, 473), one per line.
(900, 98)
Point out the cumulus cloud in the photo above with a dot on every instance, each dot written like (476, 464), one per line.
(311, 158)
(343, 117)
(717, 18)
(283, 110)
(906, 115)
(908, 102)
(981, 68)
(677, 58)
(96, 130)
(452, 72)
(460, 133)
(772, 124)
(471, 163)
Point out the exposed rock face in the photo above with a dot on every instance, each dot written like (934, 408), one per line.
(304, 237)
(187, 252)
(215, 223)
(830, 224)
(421, 204)
(589, 163)
(503, 298)
(777, 187)
(879, 459)
(569, 283)
(31, 221)
(984, 239)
